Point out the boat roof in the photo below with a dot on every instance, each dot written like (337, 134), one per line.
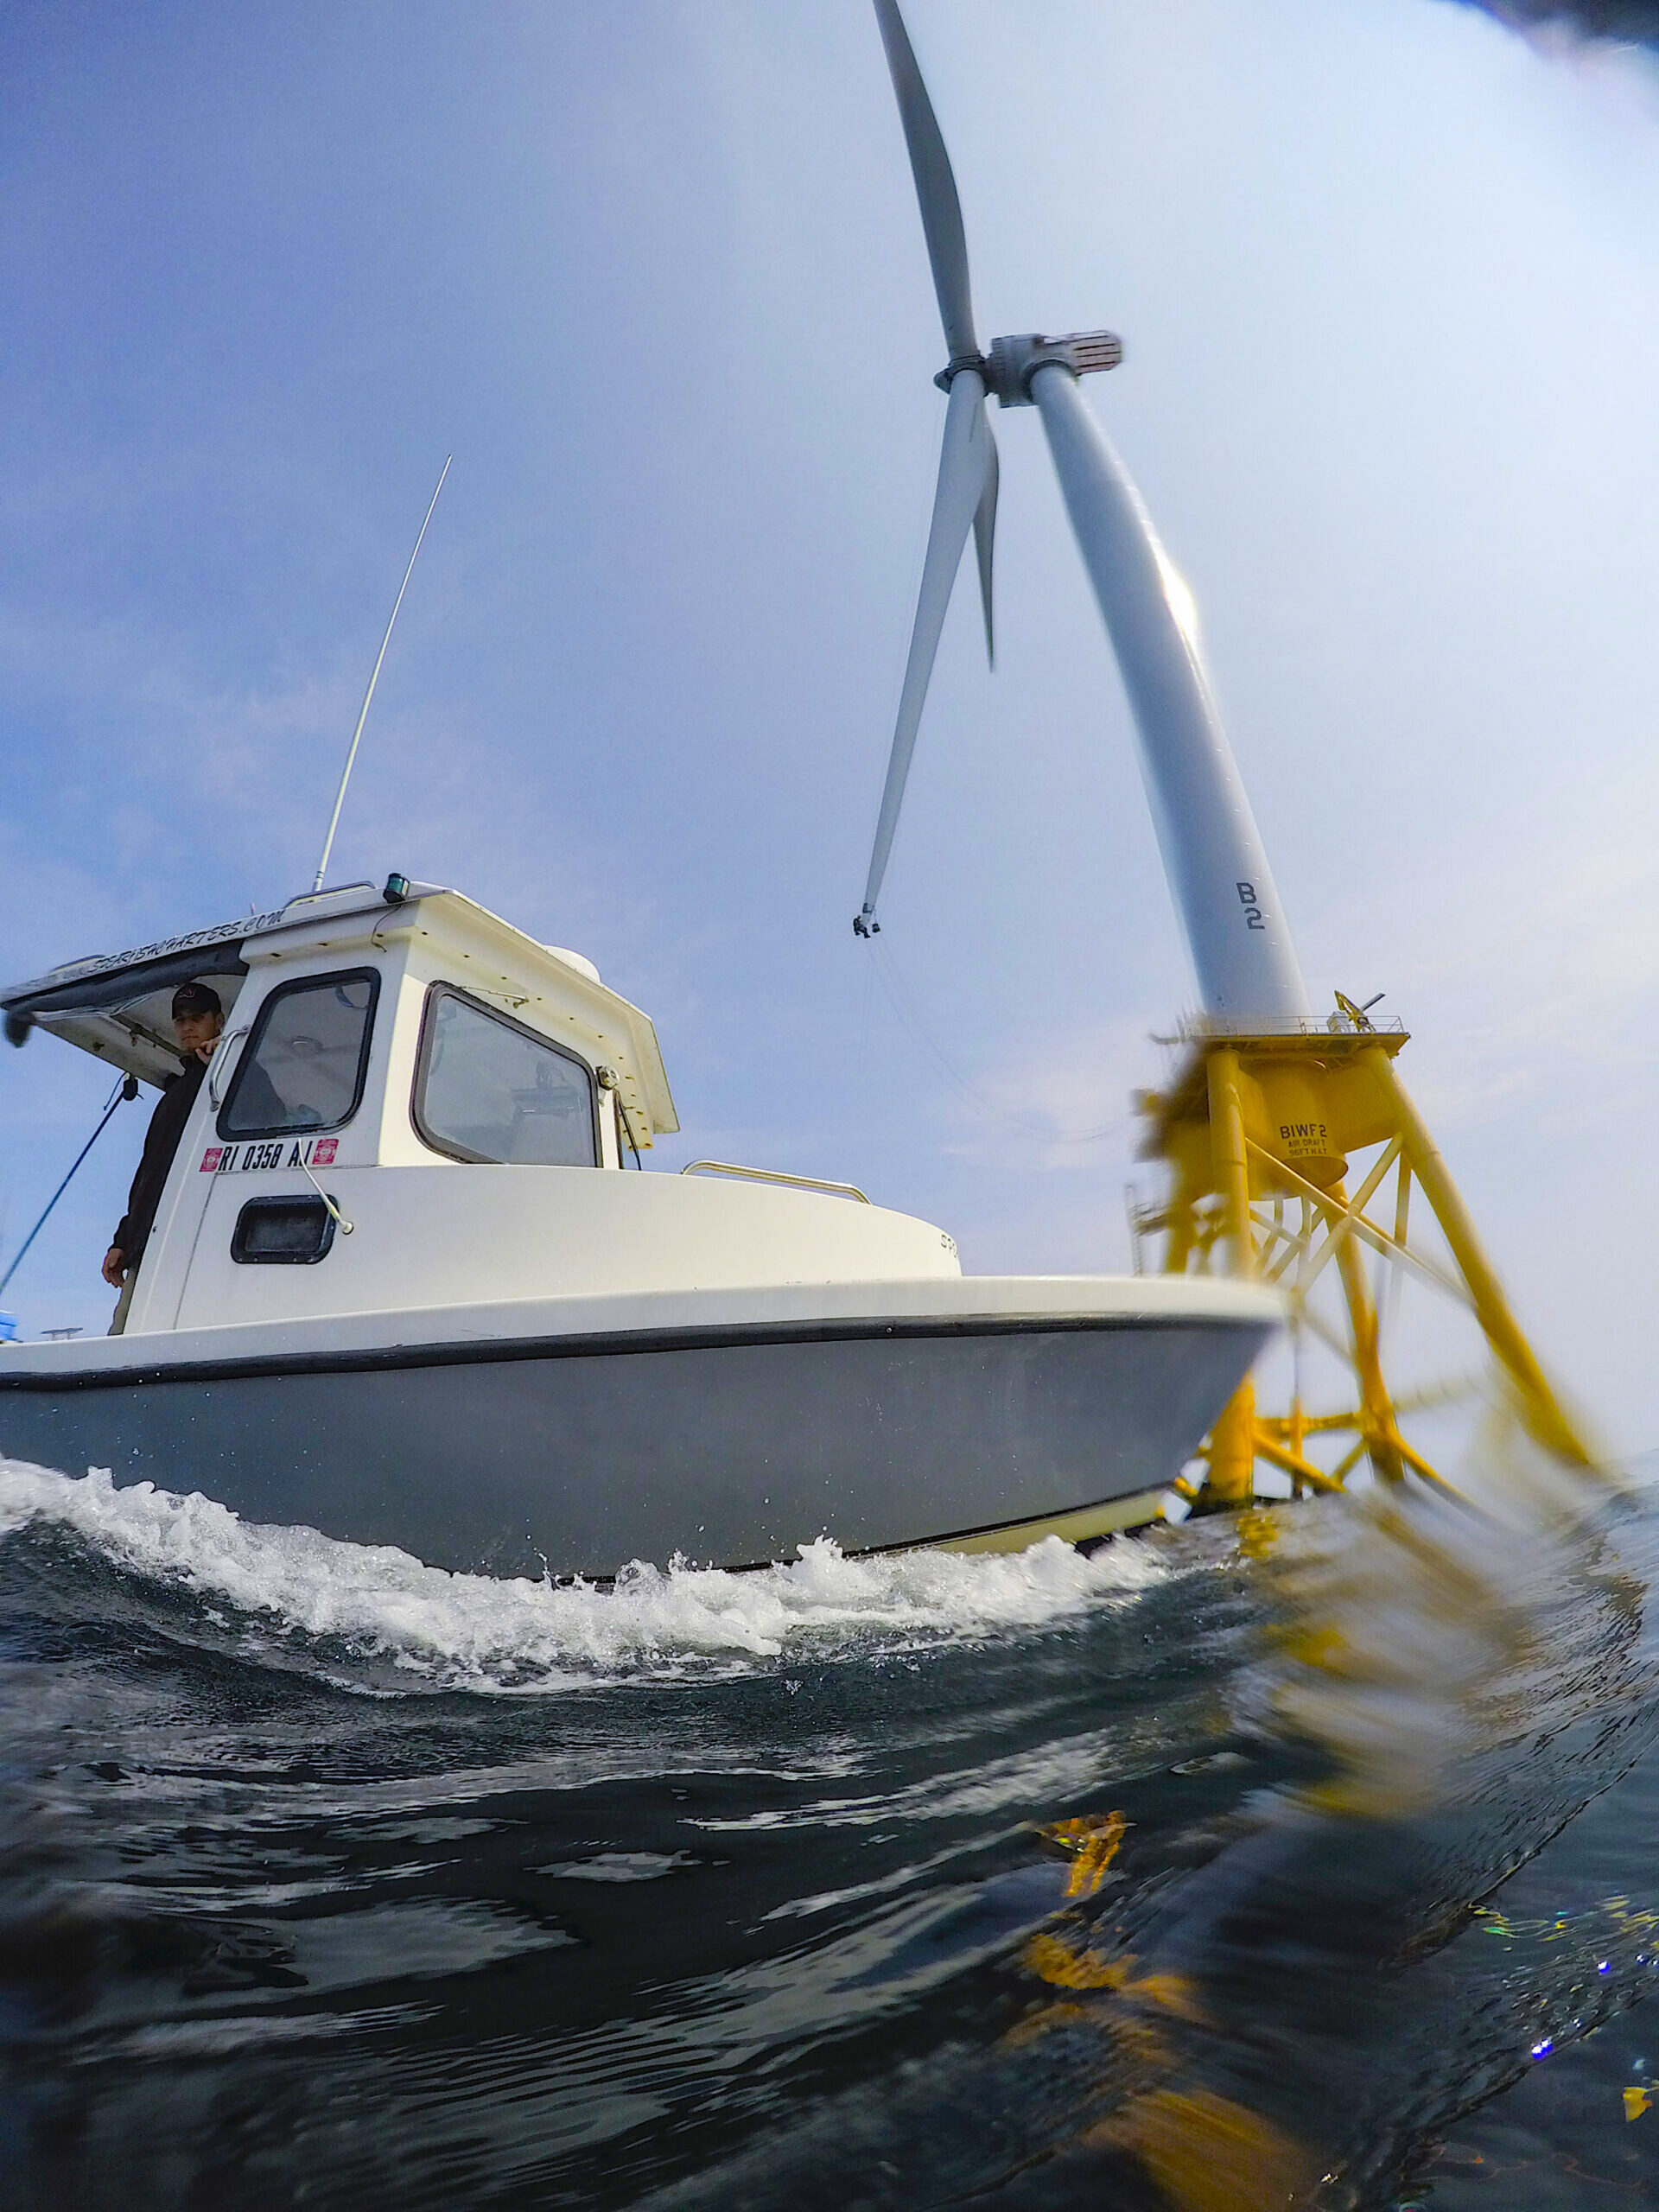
(118, 1005)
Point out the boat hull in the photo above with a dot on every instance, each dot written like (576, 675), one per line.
(731, 1446)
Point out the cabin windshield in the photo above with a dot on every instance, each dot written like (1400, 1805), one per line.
(305, 1062)
(488, 1089)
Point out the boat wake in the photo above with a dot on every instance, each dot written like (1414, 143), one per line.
(373, 1617)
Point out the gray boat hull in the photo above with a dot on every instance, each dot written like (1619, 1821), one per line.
(731, 1447)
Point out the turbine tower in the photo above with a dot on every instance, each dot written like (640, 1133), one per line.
(1257, 1126)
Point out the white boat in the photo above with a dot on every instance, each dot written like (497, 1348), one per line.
(405, 1285)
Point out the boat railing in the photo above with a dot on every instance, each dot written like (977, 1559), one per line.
(774, 1175)
(219, 1069)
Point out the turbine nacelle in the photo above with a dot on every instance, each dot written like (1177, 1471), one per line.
(1006, 371)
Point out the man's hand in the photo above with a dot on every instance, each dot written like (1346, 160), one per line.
(115, 1266)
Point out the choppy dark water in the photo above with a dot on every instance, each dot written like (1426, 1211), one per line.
(327, 1882)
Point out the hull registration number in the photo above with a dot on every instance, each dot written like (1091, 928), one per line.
(279, 1151)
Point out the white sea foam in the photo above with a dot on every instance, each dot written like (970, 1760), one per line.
(475, 1632)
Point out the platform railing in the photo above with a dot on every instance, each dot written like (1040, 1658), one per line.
(1206, 1029)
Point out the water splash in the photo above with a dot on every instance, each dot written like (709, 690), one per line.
(441, 1631)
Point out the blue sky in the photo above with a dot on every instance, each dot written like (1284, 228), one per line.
(1387, 279)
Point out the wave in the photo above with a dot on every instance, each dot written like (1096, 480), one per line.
(444, 1631)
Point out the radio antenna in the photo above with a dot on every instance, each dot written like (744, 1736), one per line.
(345, 773)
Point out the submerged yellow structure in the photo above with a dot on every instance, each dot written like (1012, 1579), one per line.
(1260, 1133)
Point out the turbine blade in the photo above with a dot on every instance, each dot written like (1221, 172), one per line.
(936, 188)
(985, 537)
(966, 463)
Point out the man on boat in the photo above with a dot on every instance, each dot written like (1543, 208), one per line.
(198, 1018)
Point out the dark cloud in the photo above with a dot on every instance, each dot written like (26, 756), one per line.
(1631, 22)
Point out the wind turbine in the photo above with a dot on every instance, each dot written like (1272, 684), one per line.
(1268, 1102)
(1212, 851)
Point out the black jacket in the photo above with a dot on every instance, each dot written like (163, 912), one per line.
(161, 1142)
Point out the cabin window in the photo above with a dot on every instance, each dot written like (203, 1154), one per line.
(304, 1065)
(488, 1089)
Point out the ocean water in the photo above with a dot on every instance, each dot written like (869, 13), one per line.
(1309, 1860)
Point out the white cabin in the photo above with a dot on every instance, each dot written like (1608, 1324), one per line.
(414, 1105)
